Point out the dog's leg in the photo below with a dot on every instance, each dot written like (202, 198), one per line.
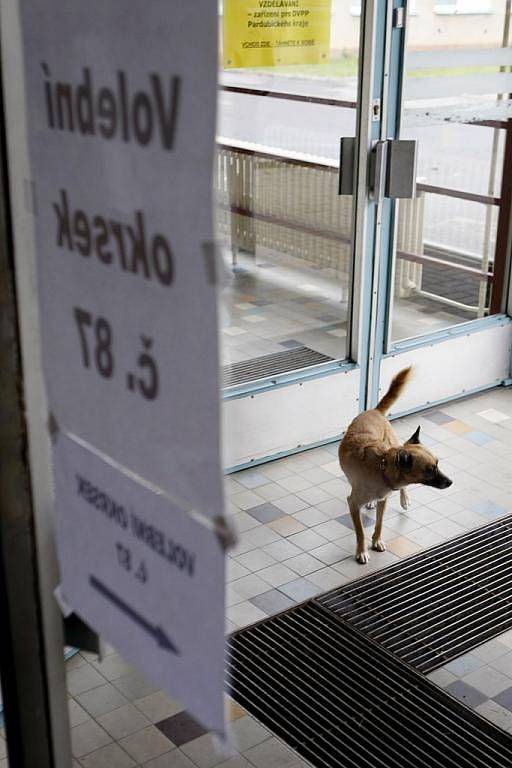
(377, 542)
(362, 555)
(371, 505)
(405, 501)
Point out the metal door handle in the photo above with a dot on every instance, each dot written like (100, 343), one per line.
(392, 170)
(347, 161)
(401, 171)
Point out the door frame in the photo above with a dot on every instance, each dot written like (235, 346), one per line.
(292, 417)
(308, 408)
(408, 351)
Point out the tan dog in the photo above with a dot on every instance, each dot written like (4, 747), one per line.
(376, 464)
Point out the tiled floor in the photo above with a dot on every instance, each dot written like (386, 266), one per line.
(295, 542)
(271, 303)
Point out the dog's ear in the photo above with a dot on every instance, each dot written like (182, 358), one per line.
(404, 460)
(414, 439)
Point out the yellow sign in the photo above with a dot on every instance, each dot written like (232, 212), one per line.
(265, 33)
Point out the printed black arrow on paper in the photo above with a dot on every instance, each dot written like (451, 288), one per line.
(157, 632)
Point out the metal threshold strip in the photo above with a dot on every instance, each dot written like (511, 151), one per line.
(271, 365)
(339, 699)
(436, 605)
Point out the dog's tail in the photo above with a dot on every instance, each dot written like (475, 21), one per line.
(395, 389)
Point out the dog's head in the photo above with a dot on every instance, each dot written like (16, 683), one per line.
(416, 464)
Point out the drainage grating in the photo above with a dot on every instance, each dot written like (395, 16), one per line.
(339, 700)
(271, 365)
(439, 604)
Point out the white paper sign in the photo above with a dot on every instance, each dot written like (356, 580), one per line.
(145, 574)
(121, 119)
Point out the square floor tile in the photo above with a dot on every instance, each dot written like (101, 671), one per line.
(88, 737)
(134, 686)
(272, 491)
(497, 714)
(102, 699)
(402, 546)
(272, 602)
(282, 550)
(307, 540)
(111, 756)
(311, 516)
(277, 574)
(489, 510)
(503, 663)
(487, 680)
(494, 416)
(464, 665)
(333, 551)
(83, 678)
(290, 344)
(327, 578)
(442, 677)
(505, 698)
(265, 513)
(146, 744)
(232, 709)
(295, 483)
(246, 733)
(286, 526)
(332, 530)
(255, 560)
(244, 614)
(246, 500)
(271, 754)
(251, 478)
(181, 728)
(458, 427)
(304, 564)
(438, 417)
(123, 721)
(113, 666)
(299, 589)
(291, 504)
(466, 693)
(77, 716)
(250, 586)
(425, 537)
(205, 753)
(158, 706)
(313, 495)
(491, 651)
(478, 438)
(244, 522)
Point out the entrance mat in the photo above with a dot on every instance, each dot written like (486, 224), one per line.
(436, 605)
(339, 699)
(271, 365)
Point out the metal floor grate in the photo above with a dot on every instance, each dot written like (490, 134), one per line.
(439, 604)
(271, 365)
(340, 700)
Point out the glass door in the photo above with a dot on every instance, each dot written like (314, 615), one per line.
(289, 74)
(446, 280)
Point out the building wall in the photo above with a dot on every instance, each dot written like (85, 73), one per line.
(469, 23)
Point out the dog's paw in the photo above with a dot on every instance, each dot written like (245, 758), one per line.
(363, 557)
(371, 505)
(405, 501)
(378, 545)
